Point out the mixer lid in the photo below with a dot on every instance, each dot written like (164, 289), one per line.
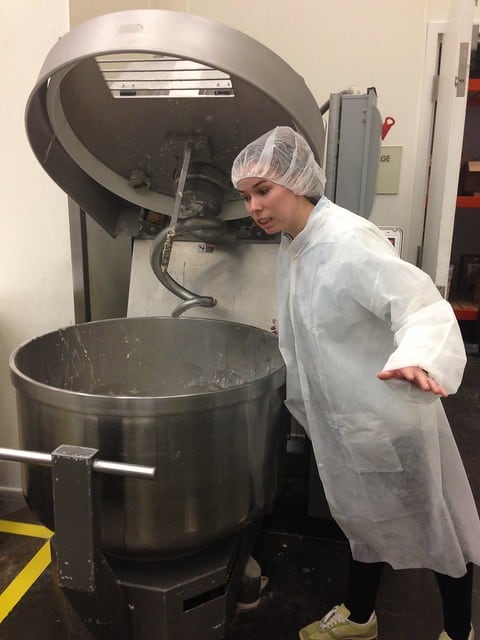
(118, 96)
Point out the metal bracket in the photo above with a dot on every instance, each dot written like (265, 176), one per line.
(97, 601)
(461, 77)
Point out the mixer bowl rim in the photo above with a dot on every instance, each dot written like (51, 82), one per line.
(121, 404)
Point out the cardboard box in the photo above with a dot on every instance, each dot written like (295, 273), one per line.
(471, 178)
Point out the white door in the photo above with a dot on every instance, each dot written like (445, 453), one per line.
(447, 140)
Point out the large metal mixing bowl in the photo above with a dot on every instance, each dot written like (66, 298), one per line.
(201, 400)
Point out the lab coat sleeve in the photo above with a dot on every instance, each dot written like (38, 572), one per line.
(430, 338)
(294, 397)
(286, 341)
(426, 332)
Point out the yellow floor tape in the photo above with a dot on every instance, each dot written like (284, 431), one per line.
(24, 529)
(32, 570)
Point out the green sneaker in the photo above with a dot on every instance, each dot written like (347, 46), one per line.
(444, 635)
(335, 624)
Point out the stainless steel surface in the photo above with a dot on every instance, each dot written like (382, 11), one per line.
(163, 244)
(160, 253)
(240, 276)
(111, 147)
(333, 129)
(19, 455)
(463, 66)
(353, 145)
(124, 469)
(187, 154)
(100, 466)
(200, 400)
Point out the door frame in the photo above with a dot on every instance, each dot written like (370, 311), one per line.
(427, 106)
(437, 172)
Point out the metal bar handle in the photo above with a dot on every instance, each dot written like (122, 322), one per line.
(100, 466)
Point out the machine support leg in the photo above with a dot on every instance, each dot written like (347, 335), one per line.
(82, 571)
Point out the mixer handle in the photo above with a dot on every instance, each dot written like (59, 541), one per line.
(100, 466)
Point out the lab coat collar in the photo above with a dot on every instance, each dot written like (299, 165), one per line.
(305, 240)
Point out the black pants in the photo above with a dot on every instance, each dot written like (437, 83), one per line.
(456, 594)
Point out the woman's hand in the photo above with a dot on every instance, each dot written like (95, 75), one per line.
(416, 376)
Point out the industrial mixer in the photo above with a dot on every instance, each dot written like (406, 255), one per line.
(201, 401)
(138, 115)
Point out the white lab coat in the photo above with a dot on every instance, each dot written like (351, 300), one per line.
(392, 474)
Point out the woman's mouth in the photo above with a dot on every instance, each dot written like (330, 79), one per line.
(264, 222)
(268, 224)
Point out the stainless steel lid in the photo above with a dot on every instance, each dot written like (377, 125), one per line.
(118, 96)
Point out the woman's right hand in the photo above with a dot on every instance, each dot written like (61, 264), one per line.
(417, 376)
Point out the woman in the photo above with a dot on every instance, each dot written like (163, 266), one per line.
(369, 345)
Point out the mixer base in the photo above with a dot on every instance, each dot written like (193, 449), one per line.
(191, 597)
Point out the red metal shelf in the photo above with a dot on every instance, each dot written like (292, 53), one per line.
(465, 310)
(468, 202)
(474, 84)
(474, 92)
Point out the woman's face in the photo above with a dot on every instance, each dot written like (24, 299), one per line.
(273, 207)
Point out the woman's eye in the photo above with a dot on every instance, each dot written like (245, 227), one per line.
(264, 191)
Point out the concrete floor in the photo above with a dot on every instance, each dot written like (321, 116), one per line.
(305, 560)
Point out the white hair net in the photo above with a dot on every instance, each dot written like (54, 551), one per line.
(282, 156)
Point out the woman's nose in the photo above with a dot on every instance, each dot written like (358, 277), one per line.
(254, 205)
